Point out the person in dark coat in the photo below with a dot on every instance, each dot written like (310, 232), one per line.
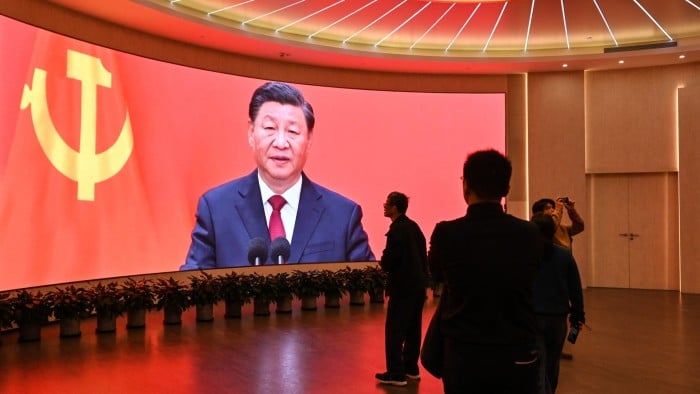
(557, 294)
(487, 261)
(405, 260)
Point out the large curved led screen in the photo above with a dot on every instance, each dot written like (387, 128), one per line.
(104, 155)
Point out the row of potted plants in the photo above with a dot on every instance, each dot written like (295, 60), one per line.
(29, 310)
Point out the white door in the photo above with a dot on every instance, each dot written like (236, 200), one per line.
(634, 231)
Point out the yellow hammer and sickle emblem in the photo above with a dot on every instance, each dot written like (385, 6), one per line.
(86, 166)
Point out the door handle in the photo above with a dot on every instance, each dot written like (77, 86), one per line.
(630, 236)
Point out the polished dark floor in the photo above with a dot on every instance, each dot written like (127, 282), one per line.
(641, 342)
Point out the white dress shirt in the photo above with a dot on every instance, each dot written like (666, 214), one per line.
(289, 210)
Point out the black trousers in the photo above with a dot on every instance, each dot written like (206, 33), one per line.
(402, 332)
(489, 369)
(550, 342)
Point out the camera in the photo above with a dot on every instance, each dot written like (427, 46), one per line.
(573, 334)
(564, 200)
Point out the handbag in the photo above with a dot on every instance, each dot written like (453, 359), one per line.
(431, 352)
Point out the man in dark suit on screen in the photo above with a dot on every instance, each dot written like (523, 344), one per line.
(277, 200)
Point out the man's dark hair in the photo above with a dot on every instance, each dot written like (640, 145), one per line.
(487, 174)
(540, 205)
(399, 200)
(545, 223)
(282, 93)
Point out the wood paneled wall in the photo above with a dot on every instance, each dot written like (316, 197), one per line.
(516, 144)
(688, 184)
(556, 145)
(634, 111)
(560, 126)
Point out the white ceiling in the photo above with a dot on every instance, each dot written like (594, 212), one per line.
(423, 36)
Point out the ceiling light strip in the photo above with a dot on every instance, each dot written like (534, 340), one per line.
(653, 20)
(177, 1)
(272, 12)
(374, 21)
(343, 18)
(433, 26)
(402, 24)
(495, 26)
(693, 4)
(606, 22)
(566, 29)
(309, 16)
(529, 24)
(228, 8)
(462, 29)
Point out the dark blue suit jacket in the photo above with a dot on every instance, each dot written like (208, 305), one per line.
(328, 226)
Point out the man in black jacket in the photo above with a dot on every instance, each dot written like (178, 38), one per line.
(405, 260)
(488, 261)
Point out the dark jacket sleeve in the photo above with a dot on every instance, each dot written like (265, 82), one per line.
(391, 257)
(575, 294)
(435, 254)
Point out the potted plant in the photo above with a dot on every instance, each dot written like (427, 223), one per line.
(69, 305)
(377, 282)
(138, 299)
(284, 291)
(264, 292)
(173, 297)
(6, 317)
(205, 291)
(235, 291)
(30, 311)
(307, 287)
(333, 287)
(108, 303)
(357, 284)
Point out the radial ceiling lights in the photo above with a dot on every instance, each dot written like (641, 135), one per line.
(522, 29)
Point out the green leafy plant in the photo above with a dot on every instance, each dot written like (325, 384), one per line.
(171, 293)
(235, 288)
(138, 294)
(306, 283)
(107, 299)
(355, 279)
(283, 284)
(6, 316)
(376, 278)
(30, 307)
(70, 302)
(204, 289)
(263, 288)
(333, 283)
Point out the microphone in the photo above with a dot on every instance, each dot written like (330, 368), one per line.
(280, 250)
(257, 251)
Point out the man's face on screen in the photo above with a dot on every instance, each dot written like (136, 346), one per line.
(280, 140)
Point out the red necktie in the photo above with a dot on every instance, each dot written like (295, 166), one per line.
(276, 226)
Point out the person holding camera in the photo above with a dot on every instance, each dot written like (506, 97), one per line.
(557, 293)
(564, 234)
(555, 208)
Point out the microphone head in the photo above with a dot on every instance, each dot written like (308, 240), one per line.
(257, 249)
(280, 247)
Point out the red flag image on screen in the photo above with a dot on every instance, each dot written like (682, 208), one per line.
(72, 204)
